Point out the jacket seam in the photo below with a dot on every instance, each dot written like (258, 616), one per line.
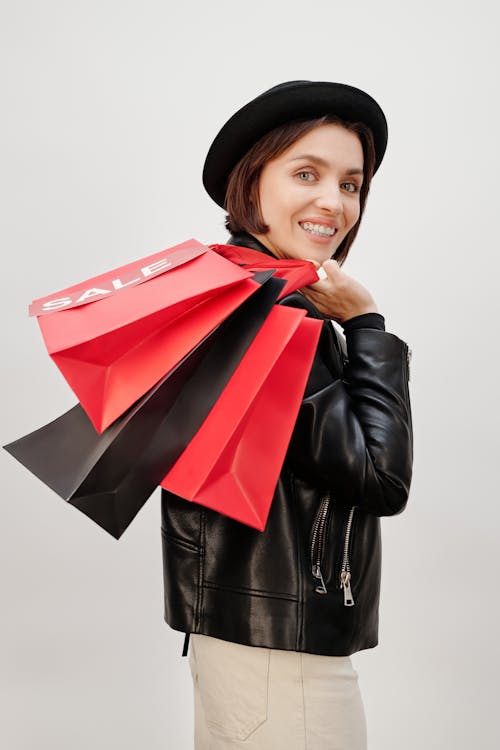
(201, 572)
(406, 376)
(299, 636)
(253, 592)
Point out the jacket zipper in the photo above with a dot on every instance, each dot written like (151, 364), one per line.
(317, 543)
(345, 573)
(317, 549)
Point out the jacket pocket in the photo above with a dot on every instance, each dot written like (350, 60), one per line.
(232, 680)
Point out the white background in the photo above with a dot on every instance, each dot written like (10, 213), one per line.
(108, 109)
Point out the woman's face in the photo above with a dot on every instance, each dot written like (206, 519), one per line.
(309, 195)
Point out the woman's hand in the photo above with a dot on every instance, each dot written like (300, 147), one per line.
(339, 296)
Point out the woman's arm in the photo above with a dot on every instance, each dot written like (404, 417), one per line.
(353, 434)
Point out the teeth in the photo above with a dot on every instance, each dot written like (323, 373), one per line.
(320, 229)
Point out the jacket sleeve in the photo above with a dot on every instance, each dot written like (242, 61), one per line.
(353, 434)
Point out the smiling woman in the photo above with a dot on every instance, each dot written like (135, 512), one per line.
(275, 615)
(310, 203)
(290, 143)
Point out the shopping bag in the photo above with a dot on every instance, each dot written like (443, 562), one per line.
(295, 272)
(113, 337)
(232, 464)
(110, 476)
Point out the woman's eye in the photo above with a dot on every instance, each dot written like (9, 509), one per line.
(305, 172)
(351, 187)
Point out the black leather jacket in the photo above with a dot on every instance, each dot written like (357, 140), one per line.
(311, 580)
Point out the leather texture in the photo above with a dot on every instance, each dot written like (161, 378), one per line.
(349, 463)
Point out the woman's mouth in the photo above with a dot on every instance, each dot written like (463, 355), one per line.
(320, 231)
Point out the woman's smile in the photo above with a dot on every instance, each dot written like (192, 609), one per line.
(318, 231)
(309, 195)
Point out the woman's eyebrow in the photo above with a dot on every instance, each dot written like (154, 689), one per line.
(323, 162)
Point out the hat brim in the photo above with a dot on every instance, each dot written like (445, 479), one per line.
(284, 103)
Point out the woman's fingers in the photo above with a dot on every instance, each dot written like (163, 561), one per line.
(332, 269)
(326, 276)
(322, 274)
(338, 295)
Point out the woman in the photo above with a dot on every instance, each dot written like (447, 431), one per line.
(276, 615)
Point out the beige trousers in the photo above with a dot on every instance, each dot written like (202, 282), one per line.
(268, 699)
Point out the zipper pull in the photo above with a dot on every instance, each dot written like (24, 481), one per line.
(345, 582)
(320, 587)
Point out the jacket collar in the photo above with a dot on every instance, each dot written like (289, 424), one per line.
(244, 239)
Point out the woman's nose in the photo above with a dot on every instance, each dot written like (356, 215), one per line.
(330, 200)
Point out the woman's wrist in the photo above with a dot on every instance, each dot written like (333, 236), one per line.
(365, 320)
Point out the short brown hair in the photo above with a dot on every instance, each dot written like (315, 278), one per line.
(242, 194)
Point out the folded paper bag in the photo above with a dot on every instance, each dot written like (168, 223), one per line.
(295, 272)
(116, 335)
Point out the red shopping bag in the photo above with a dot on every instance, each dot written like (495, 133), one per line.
(233, 462)
(115, 336)
(297, 273)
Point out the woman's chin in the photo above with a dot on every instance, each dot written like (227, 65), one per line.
(309, 248)
(315, 253)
